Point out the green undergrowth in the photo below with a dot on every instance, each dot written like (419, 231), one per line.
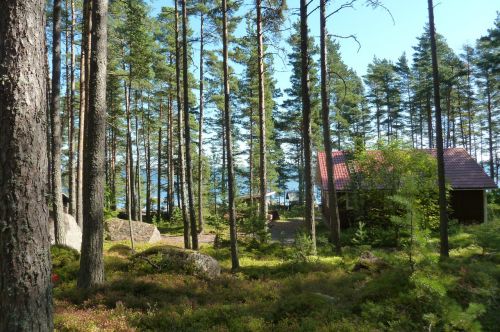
(274, 290)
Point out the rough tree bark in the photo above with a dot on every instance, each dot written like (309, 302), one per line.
(91, 272)
(306, 122)
(180, 127)
(55, 109)
(84, 74)
(71, 167)
(235, 264)
(25, 285)
(187, 130)
(443, 215)
(333, 209)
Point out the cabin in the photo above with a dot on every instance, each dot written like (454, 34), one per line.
(466, 177)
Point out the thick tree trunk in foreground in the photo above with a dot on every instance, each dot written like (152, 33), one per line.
(443, 216)
(262, 119)
(187, 130)
(180, 137)
(235, 264)
(333, 213)
(25, 285)
(306, 122)
(91, 262)
(55, 109)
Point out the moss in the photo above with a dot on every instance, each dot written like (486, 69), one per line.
(272, 292)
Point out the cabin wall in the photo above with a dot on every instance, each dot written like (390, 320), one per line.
(467, 206)
(344, 215)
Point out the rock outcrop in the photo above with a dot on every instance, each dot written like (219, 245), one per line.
(119, 230)
(72, 232)
(368, 261)
(170, 259)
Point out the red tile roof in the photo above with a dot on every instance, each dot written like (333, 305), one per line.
(341, 172)
(461, 170)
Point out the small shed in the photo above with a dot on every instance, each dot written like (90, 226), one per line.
(466, 177)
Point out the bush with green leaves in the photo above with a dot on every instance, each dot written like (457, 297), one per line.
(219, 225)
(302, 247)
(394, 188)
(361, 234)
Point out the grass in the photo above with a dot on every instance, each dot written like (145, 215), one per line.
(275, 291)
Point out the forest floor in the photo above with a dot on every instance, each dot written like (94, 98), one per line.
(280, 287)
(285, 231)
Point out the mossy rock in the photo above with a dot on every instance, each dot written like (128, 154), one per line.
(172, 259)
(368, 261)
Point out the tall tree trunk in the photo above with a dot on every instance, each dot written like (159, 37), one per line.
(71, 167)
(187, 129)
(92, 260)
(180, 127)
(262, 118)
(215, 188)
(57, 204)
(129, 173)
(170, 157)
(490, 129)
(250, 160)
(469, 103)
(200, 133)
(306, 122)
(84, 74)
(430, 135)
(333, 210)
(48, 130)
(443, 216)
(462, 125)
(158, 181)
(138, 162)
(147, 147)
(130, 157)
(113, 167)
(26, 290)
(223, 167)
(378, 111)
(235, 264)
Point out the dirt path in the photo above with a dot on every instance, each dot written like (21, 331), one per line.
(285, 231)
(282, 231)
(178, 240)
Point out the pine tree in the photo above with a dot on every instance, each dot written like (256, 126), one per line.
(26, 291)
(443, 214)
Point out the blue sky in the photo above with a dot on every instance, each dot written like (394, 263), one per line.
(460, 21)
